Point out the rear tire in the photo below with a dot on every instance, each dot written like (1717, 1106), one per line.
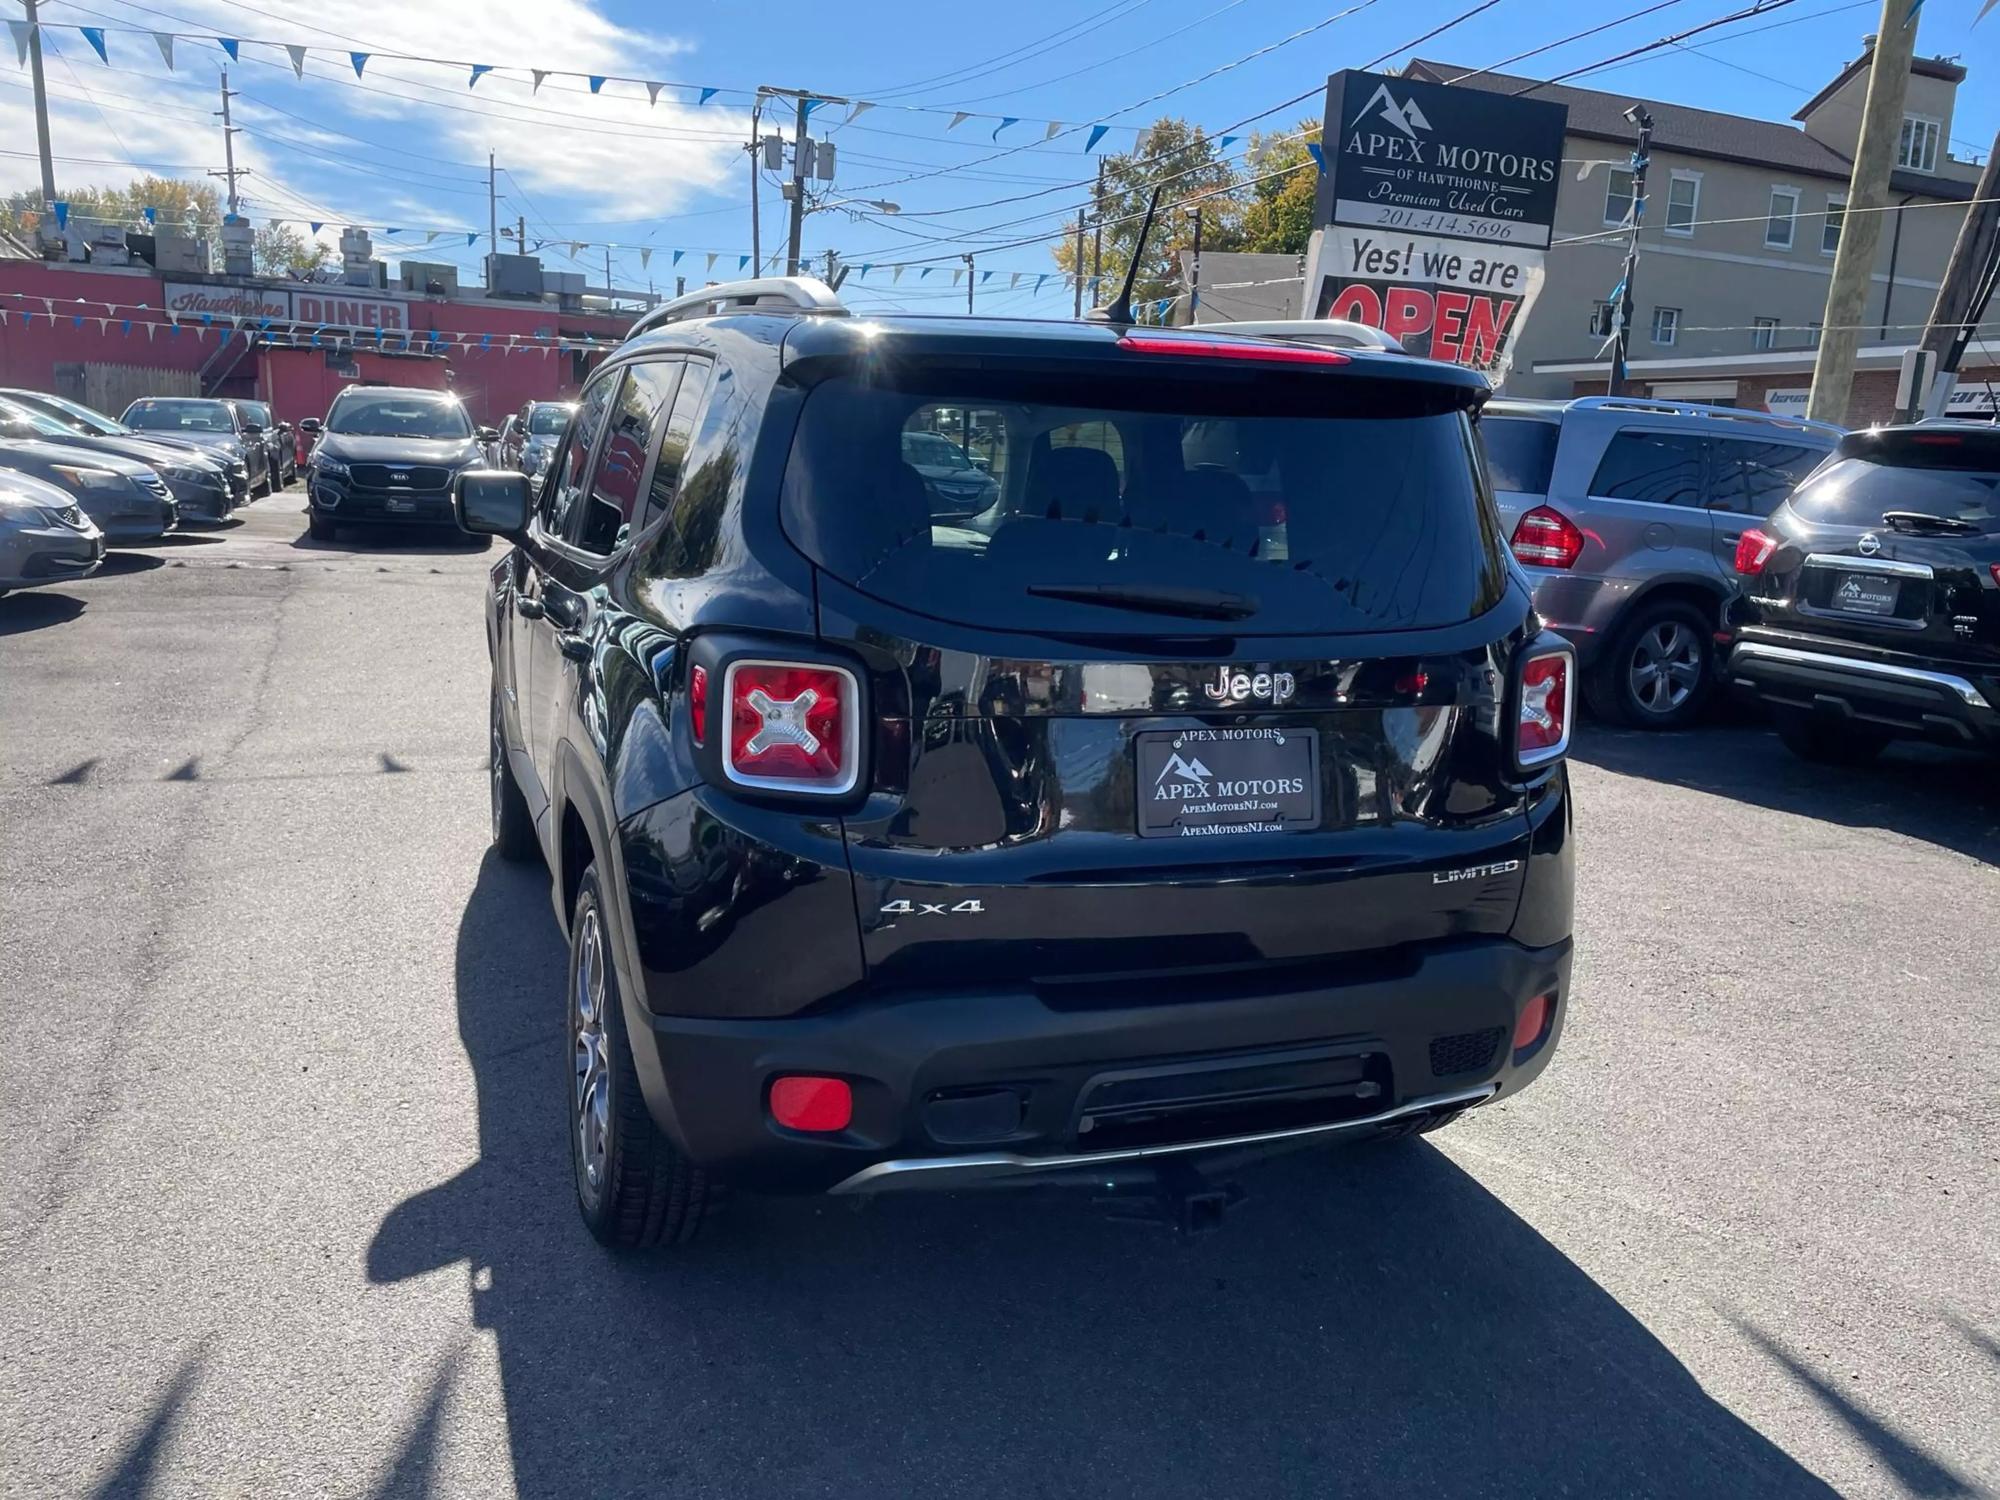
(513, 825)
(1659, 670)
(1827, 742)
(633, 1188)
(319, 528)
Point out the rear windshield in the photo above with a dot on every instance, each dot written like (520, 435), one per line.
(1004, 502)
(548, 421)
(180, 416)
(1956, 488)
(1520, 452)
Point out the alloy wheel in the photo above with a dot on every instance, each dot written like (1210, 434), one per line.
(1666, 667)
(593, 1078)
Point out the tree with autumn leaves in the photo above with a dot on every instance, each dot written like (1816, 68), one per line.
(192, 208)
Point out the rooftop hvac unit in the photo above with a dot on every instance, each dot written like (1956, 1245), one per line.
(514, 276)
(173, 251)
(567, 287)
(237, 239)
(433, 278)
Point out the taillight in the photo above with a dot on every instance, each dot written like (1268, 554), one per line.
(1994, 569)
(1545, 538)
(1544, 707)
(1753, 550)
(698, 703)
(791, 727)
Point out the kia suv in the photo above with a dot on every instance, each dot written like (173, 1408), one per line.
(1098, 842)
(1626, 514)
(1871, 603)
(388, 454)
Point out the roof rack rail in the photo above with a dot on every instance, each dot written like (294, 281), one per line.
(1702, 409)
(799, 294)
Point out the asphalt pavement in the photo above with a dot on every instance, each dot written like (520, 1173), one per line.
(284, 1201)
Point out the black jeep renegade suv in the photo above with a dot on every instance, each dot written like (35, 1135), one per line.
(1202, 794)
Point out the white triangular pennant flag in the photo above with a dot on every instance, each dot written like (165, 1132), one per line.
(645, 258)
(149, 331)
(1013, 280)
(711, 261)
(653, 93)
(1054, 130)
(22, 30)
(959, 119)
(430, 238)
(540, 74)
(859, 108)
(898, 276)
(298, 56)
(956, 274)
(164, 40)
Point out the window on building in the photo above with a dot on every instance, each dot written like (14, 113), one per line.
(1683, 201)
(1812, 334)
(1918, 148)
(1618, 195)
(1763, 333)
(1782, 224)
(1829, 230)
(1602, 316)
(1666, 324)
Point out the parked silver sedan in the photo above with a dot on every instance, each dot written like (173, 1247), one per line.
(200, 484)
(44, 535)
(129, 502)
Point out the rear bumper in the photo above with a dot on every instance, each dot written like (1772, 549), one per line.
(1582, 608)
(983, 1086)
(1929, 700)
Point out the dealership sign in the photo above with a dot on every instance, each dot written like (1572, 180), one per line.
(1434, 209)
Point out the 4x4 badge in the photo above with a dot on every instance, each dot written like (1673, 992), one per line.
(1229, 686)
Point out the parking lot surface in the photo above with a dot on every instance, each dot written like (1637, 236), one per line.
(284, 1187)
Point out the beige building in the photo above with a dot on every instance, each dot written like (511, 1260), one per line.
(1737, 242)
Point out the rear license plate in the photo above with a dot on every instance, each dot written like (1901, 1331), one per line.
(1214, 782)
(1865, 594)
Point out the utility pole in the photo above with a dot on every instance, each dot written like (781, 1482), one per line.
(1860, 223)
(492, 209)
(228, 144)
(521, 234)
(968, 281)
(41, 109)
(1194, 285)
(1621, 329)
(1077, 265)
(1975, 259)
(756, 149)
(1097, 213)
(607, 273)
(792, 261)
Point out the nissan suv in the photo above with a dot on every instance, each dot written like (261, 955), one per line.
(1626, 514)
(1106, 836)
(1871, 603)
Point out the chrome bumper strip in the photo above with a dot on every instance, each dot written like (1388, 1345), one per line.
(1861, 666)
(955, 1171)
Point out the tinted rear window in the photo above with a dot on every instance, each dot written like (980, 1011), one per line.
(1307, 523)
(1520, 452)
(1862, 492)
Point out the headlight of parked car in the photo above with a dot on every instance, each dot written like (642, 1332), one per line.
(77, 478)
(331, 467)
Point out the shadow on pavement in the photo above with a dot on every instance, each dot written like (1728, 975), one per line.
(1370, 1321)
(141, 1454)
(1945, 797)
(119, 564)
(418, 541)
(36, 609)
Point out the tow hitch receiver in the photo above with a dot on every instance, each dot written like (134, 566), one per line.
(1179, 1197)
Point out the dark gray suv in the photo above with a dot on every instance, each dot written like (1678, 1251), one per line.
(1626, 514)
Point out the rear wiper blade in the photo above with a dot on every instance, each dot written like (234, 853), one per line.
(1193, 604)
(1923, 519)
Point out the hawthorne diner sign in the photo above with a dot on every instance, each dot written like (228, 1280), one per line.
(334, 307)
(1434, 210)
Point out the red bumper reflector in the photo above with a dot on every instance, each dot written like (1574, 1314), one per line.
(1534, 1021)
(803, 1102)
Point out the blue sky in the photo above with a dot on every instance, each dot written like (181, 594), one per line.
(405, 144)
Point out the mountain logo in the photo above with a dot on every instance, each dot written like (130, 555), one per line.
(1405, 117)
(1187, 768)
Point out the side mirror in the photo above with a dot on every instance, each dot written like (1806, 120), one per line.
(310, 426)
(253, 429)
(491, 502)
(488, 434)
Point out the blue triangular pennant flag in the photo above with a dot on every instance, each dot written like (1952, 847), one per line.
(1044, 276)
(811, 105)
(485, 340)
(925, 272)
(1005, 121)
(863, 273)
(742, 261)
(360, 61)
(677, 256)
(76, 319)
(62, 213)
(479, 71)
(984, 277)
(392, 231)
(95, 36)
(315, 225)
(471, 236)
(152, 214)
(1097, 133)
(706, 95)
(1318, 156)
(1227, 141)
(230, 45)
(126, 325)
(596, 83)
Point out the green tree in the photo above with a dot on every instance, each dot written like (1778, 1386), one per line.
(1181, 160)
(1278, 219)
(281, 250)
(187, 206)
